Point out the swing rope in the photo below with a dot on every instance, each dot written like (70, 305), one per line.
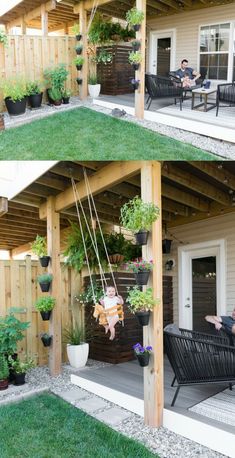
(93, 12)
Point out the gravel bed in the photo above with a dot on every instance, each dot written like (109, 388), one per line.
(160, 441)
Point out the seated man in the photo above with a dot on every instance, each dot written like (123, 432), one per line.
(187, 75)
(228, 322)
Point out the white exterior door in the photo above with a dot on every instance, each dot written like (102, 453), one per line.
(187, 256)
(162, 52)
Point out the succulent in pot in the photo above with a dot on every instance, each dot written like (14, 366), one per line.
(39, 248)
(45, 305)
(79, 49)
(134, 18)
(46, 339)
(34, 94)
(138, 217)
(77, 349)
(141, 303)
(44, 281)
(15, 95)
(79, 61)
(135, 83)
(135, 59)
(4, 372)
(141, 270)
(20, 367)
(142, 353)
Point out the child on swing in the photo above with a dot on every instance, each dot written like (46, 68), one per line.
(110, 300)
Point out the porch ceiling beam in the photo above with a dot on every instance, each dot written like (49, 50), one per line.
(22, 222)
(219, 174)
(28, 200)
(3, 206)
(198, 216)
(171, 3)
(16, 206)
(157, 6)
(88, 5)
(51, 182)
(21, 249)
(15, 230)
(39, 190)
(184, 198)
(111, 174)
(112, 12)
(194, 183)
(175, 208)
(187, 2)
(36, 13)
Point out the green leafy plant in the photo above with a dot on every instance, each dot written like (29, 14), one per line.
(45, 304)
(55, 94)
(33, 87)
(79, 60)
(93, 79)
(140, 301)
(137, 215)
(103, 57)
(4, 368)
(135, 57)
(116, 243)
(39, 246)
(56, 77)
(74, 335)
(139, 266)
(66, 93)
(21, 366)
(3, 38)
(86, 297)
(76, 29)
(127, 33)
(11, 332)
(15, 89)
(134, 16)
(44, 278)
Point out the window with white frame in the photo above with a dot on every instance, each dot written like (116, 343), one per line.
(234, 53)
(214, 50)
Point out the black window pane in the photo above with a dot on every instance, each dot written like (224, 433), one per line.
(223, 72)
(223, 60)
(212, 73)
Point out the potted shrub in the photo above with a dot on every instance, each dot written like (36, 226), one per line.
(34, 94)
(76, 31)
(45, 305)
(141, 270)
(138, 217)
(141, 303)
(142, 353)
(134, 18)
(20, 367)
(39, 247)
(79, 81)
(4, 373)
(77, 349)
(66, 96)
(55, 79)
(79, 61)
(135, 58)
(46, 339)
(93, 87)
(135, 83)
(136, 45)
(15, 96)
(79, 49)
(44, 281)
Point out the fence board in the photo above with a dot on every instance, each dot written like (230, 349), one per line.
(28, 56)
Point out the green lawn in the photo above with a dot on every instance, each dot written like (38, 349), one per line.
(47, 427)
(87, 135)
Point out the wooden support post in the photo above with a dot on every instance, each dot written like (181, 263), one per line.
(3, 206)
(153, 334)
(44, 20)
(53, 248)
(23, 26)
(83, 31)
(140, 74)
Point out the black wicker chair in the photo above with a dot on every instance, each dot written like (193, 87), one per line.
(161, 87)
(225, 95)
(199, 358)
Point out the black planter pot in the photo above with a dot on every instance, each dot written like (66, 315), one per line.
(142, 277)
(79, 81)
(53, 102)
(44, 261)
(66, 100)
(45, 315)
(46, 340)
(136, 27)
(78, 37)
(141, 237)
(16, 108)
(78, 52)
(19, 379)
(166, 246)
(44, 287)
(136, 66)
(136, 47)
(78, 67)
(143, 318)
(135, 86)
(35, 100)
(143, 359)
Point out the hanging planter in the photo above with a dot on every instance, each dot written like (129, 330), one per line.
(135, 84)
(44, 261)
(136, 45)
(79, 81)
(76, 31)
(141, 269)
(142, 277)
(79, 61)
(116, 258)
(141, 303)
(134, 17)
(79, 49)
(142, 354)
(78, 37)
(141, 237)
(45, 315)
(45, 305)
(44, 281)
(46, 339)
(135, 59)
(166, 246)
(143, 359)
(143, 317)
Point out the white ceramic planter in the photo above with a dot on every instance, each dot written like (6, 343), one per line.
(94, 90)
(78, 354)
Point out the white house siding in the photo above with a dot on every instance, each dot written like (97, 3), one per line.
(187, 30)
(221, 227)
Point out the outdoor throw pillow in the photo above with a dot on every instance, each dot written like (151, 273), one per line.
(173, 329)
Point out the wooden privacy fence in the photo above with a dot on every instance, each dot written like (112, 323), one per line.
(19, 288)
(28, 56)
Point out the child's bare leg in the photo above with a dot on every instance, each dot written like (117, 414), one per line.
(112, 324)
(106, 328)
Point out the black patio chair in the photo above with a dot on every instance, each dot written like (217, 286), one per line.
(162, 87)
(225, 95)
(199, 359)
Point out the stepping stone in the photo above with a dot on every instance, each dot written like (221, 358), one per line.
(72, 395)
(92, 404)
(113, 416)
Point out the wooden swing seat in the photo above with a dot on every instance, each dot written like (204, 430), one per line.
(103, 315)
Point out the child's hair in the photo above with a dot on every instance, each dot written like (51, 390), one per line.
(109, 286)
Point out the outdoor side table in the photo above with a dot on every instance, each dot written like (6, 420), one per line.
(204, 95)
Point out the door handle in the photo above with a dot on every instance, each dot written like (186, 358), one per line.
(187, 305)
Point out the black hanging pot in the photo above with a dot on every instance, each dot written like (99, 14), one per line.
(19, 379)
(79, 81)
(141, 237)
(35, 100)
(78, 37)
(45, 315)
(142, 277)
(136, 46)
(166, 246)
(44, 287)
(136, 66)
(136, 27)
(46, 340)
(15, 108)
(135, 86)
(44, 261)
(143, 359)
(143, 317)
(79, 51)
(79, 67)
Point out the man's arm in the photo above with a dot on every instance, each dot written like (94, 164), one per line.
(196, 75)
(216, 320)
